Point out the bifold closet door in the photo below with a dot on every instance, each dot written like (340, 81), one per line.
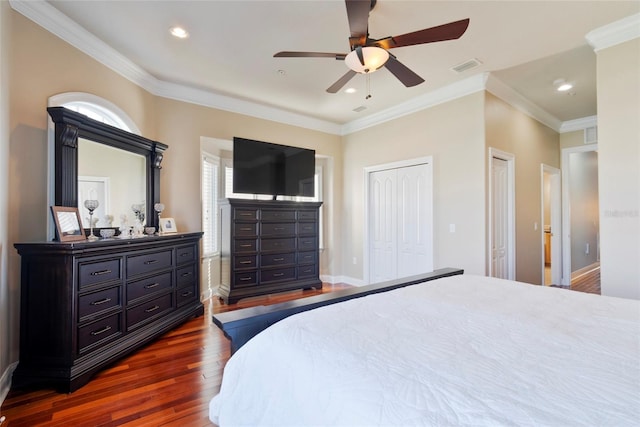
(400, 235)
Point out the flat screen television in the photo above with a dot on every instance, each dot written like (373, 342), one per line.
(273, 169)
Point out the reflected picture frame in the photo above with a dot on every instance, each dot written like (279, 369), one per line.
(168, 225)
(68, 224)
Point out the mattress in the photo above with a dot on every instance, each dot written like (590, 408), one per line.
(463, 350)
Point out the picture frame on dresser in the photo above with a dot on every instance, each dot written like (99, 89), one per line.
(168, 225)
(68, 224)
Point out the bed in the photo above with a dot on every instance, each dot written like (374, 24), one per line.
(461, 350)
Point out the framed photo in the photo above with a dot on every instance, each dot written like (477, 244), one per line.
(68, 224)
(168, 225)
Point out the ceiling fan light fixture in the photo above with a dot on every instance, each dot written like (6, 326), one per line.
(374, 58)
(562, 85)
(179, 32)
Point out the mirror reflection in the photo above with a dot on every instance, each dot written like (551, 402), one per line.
(115, 177)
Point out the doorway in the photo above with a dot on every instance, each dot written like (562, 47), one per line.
(399, 220)
(501, 214)
(551, 220)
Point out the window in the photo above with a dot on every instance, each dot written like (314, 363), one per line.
(210, 167)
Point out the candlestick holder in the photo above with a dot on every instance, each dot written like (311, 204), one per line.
(91, 205)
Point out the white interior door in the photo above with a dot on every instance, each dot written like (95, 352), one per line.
(383, 220)
(500, 231)
(556, 228)
(400, 222)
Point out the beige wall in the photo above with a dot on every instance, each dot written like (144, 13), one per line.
(532, 144)
(453, 133)
(572, 139)
(619, 168)
(7, 309)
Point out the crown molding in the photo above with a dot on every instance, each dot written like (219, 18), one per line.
(615, 33)
(579, 124)
(439, 96)
(52, 20)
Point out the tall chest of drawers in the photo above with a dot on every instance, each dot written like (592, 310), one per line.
(86, 304)
(268, 247)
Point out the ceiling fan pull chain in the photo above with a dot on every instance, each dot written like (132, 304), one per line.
(368, 79)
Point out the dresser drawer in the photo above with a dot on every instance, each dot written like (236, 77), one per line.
(245, 245)
(96, 333)
(142, 313)
(310, 270)
(278, 215)
(307, 243)
(277, 275)
(245, 214)
(93, 272)
(245, 261)
(307, 228)
(310, 257)
(278, 229)
(245, 229)
(185, 275)
(277, 259)
(185, 254)
(186, 294)
(98, 302)
(149, 286)
(278, 244)
(307, 215)
(141, 264)
(245, 278)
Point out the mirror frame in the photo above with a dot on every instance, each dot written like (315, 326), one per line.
(69, 126)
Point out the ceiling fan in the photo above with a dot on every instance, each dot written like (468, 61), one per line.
(367, 54)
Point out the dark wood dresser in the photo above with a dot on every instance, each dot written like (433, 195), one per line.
(268, 246)
(86, 304)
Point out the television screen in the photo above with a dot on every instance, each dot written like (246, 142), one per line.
(273, 169)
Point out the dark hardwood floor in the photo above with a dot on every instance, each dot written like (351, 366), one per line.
(167, 383)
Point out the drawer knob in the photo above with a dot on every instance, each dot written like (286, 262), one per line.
(151, 261)
(101, 331)
(100, 272)
(151, 285)
(152, 309)
(100, 302)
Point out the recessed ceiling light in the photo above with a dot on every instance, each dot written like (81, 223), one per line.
(179, 32)
(351, 90)
(562, 86)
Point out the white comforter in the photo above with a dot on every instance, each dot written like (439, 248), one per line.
(464, 350)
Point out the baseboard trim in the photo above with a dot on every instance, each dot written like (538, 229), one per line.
(5, 381)
(584, 270)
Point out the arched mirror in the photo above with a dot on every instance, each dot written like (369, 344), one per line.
(98, 161)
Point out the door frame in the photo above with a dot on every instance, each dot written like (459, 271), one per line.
(511, 211)
(367, 171)
(555, 199)
(566, 208)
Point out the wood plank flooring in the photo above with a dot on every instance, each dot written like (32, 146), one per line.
(167, 383)
(587, 282)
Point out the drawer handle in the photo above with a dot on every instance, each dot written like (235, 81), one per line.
(278, 228)
(185, 254)
(245, 246)
(246, 214)
(246, 262)
(102, 301)
(308, 270)
(152, 309)
(188, 273)
(278, 274)
(244, 279)
(152, 285)
(151, 261)
(245, 229)
(101, 331)
(186, 294)
(100, 273)
(278, 259)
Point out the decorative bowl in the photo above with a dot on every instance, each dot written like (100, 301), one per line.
(149, 230)
(107, 233)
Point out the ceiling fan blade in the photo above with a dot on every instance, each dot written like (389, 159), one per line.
(404, 74)
(450, 31)
(286, 54)
(358, 16)
(341, 82)
(360, 55)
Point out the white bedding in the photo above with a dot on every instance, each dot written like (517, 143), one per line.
(464, 350)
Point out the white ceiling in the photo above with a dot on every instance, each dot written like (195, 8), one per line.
(526, 45)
